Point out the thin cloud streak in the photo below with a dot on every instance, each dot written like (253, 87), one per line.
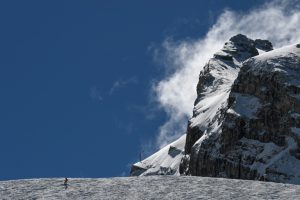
(277, 21)
(95, 94)
(122, 83)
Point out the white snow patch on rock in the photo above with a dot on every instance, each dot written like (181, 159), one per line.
(284, 60)
(215, 96)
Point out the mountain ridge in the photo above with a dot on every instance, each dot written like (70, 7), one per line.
(227, 106)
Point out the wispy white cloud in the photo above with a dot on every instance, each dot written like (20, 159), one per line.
(95, 94)
(277, 21)
(122, 83)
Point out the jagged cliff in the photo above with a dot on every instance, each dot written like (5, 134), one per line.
(254, 133)
(246, 116)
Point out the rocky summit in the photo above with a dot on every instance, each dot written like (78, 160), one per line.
(246, 117)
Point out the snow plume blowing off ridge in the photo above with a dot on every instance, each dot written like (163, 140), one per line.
(277, 21)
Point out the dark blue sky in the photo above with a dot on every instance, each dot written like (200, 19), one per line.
(75, 79)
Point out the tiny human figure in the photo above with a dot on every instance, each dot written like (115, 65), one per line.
(66, 183)
(263, 177)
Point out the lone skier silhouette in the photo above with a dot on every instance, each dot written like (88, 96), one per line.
(66, 183)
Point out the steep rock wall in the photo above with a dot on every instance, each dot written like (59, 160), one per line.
(257, 135)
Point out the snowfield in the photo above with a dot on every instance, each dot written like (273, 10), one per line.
(147, 187)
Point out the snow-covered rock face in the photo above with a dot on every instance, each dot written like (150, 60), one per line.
(246, 118)
(213, 89)
(214, 86)
(254, 131)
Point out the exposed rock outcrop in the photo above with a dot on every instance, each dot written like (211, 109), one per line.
(214, 85)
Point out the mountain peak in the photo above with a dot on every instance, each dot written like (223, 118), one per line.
(246, 117)
(241, 48)
(242, 40)
(254, 128)
(264, 45)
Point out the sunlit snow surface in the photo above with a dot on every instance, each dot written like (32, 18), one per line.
(165, 161)
(150, 187)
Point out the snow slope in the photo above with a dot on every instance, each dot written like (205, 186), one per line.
(285, 59)
(150, 187)
(164, 162)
